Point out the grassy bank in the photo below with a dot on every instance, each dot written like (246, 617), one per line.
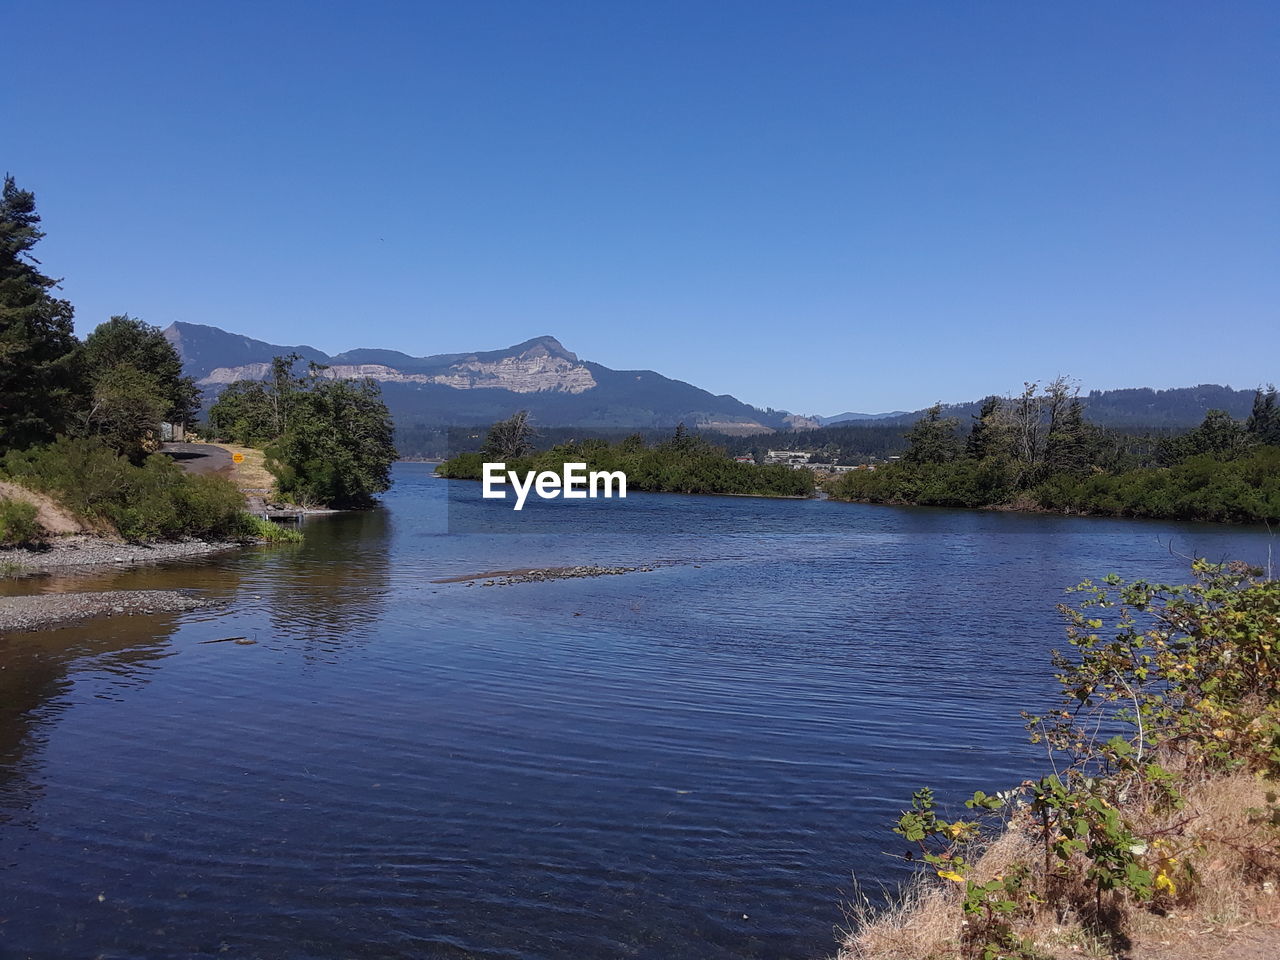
(1231, 905)
(1161, 819)
(106, 494)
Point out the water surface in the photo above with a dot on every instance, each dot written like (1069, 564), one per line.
(685, 763)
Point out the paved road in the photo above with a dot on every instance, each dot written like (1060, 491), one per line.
(199, 457)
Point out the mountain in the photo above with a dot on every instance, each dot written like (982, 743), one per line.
(538, 375)
(846, 417)
(1135, 407)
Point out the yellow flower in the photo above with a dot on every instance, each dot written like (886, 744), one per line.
(1164, 883)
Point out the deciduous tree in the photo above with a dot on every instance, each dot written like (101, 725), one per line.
(510, 439)
(135, 381)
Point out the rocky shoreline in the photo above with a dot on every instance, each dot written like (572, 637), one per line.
(54, 609)
(86, 551)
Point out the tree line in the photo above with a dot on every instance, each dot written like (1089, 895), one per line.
(1036, 450)
(73, 411)
(683, 462)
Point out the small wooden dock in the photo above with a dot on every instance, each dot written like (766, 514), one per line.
(274, 511)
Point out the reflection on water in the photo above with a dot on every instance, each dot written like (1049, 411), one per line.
(39, 670)
(682, 763)
(335, 585)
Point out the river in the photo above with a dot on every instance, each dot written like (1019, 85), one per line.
(689, 762)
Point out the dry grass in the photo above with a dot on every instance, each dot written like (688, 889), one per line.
(49, 514)
(926, 923)
(1226, 902)
(252, 476)
(923, 924)
(1236, 863)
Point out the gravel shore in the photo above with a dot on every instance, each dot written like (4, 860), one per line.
(53, 609)
(503, 578)
(83, 551)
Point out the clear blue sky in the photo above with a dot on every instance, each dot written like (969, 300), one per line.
(816, 206)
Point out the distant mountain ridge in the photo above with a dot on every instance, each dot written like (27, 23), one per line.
(539, 375)
(1128, 407)
(848, 417)
(560, 389)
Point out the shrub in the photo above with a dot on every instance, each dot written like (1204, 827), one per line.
(270, 531)
(1244, 490)
(1182, 689)
(154, 501)
(18, 523)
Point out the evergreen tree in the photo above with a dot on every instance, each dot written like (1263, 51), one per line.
(1219, 435)
(684, 442)
(1264, 422)
(984, 434)
(1071, 444)
(632, 444)
(933, 438)
(38, 378)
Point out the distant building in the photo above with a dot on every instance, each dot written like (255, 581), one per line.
(792, 458)
(832, 467)
(744, 459)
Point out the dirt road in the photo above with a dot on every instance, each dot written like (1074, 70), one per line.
(199, 457)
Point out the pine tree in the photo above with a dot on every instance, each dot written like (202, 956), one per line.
(1264, 422)
(984, 435)
(933, 438)
(38, 379)
(1070, 443)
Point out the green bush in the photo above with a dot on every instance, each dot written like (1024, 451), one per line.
(18, 524)
(1243, 490)
(270, 531)
(1164, 688)
(154, 501)
(958, 483)
(1202, 487)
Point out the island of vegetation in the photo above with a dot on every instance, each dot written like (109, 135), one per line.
(682, 463)
(81, 422)
(1156, 819)
(1037, 451)
(328, 441)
